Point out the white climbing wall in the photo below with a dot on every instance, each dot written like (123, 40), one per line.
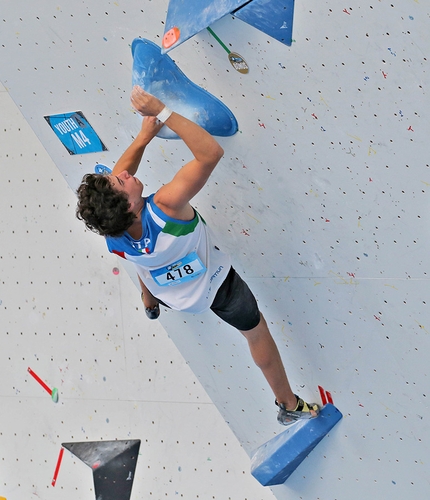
(78, 323)
(323, 200)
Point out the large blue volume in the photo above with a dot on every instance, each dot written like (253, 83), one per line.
(186, 18)
(276, 460)
(159, 75)
(192, 16)
(275, 18)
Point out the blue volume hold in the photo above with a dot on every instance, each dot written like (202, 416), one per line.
(157, 74)
(273, 18)
(192, 16)
(185, 18)
(276, 460)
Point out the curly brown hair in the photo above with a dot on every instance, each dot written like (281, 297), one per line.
(104, 210)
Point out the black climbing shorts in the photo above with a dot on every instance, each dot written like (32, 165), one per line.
(235, 303)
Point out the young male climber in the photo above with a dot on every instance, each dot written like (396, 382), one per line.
(177, 262)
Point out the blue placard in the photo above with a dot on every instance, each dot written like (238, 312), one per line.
(75, 133)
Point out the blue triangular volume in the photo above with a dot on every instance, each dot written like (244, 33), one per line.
(157, 74)
(186, 18)
(273, 17)
(190, 17)
(276, 460)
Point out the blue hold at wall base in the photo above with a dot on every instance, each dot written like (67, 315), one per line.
(274, 461)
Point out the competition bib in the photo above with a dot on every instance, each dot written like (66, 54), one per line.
(180, 271)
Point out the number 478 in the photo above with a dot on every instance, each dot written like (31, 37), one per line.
(187, 269)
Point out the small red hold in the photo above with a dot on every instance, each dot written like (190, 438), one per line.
(171, 37)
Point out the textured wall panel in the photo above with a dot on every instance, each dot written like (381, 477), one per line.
(322, 197)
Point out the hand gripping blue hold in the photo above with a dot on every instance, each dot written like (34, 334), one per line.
(157, 74)
(276, 460)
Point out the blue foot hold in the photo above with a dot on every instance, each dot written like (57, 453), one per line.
(159, 75)
(276, 460)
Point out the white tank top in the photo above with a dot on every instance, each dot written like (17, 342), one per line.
(176, 260)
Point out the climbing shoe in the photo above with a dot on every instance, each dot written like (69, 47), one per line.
(302, 411)
(151, 312)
